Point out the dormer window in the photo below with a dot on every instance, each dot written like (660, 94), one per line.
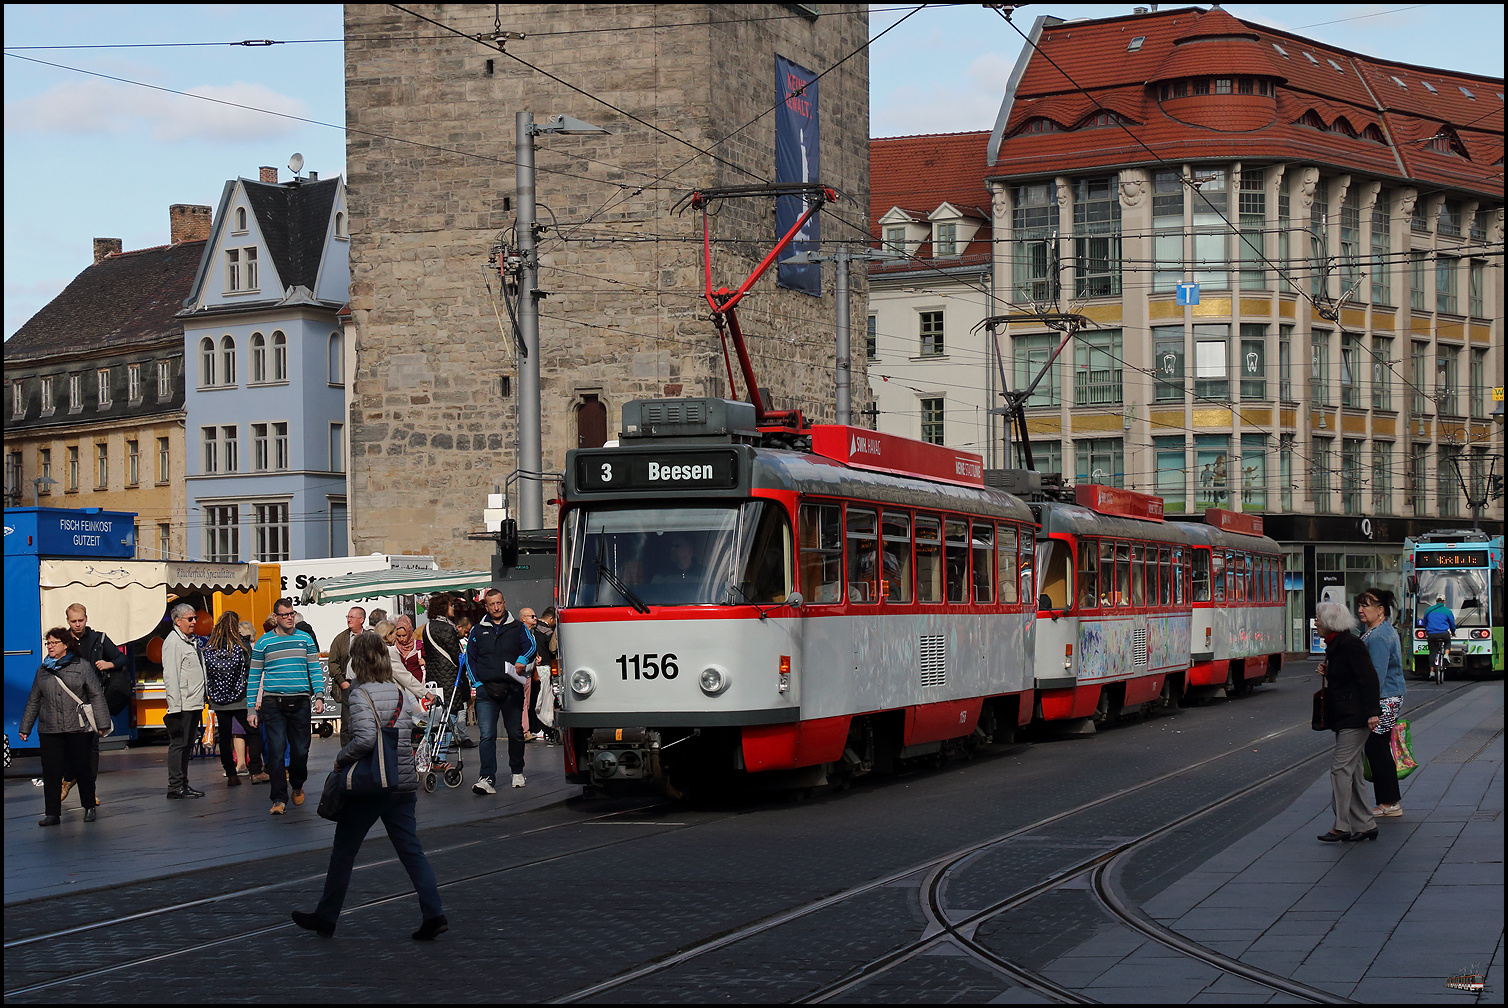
(1373, 134)
(1040, 125)
(895, 240)
(945, 240)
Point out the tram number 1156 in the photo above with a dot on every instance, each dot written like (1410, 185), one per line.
(649, 666)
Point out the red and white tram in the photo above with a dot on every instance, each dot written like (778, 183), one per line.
(805, 616)
(1238, 597)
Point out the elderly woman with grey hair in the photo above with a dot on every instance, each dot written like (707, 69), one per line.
(1352, 711)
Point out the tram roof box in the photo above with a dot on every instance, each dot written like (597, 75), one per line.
(720, 419)
(1014, 481)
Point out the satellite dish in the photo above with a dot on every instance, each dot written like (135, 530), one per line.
(296, 163)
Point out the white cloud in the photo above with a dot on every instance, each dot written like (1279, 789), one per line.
(967, 101)
(107, 107)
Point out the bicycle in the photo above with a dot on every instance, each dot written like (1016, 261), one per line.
(1440, 662)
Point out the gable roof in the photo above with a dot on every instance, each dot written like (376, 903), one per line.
(124, 299)
(918, 174)
(294, 220)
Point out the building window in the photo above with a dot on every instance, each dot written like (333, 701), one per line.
(339, 528)
(1445, 284)
(14, 474)
(1382, 243)
(164, 469)
(1350, 239)
(1047, 456)
(1319, 237)
(271, 532)
(1446, 374)
(280, 445)
(240, 221)
(1350, 476)
(47, 401)
(337, 359)
(164, 540)
(260, 447)
(945, 240)
(932, 420)
(1382, 373)
(1419, 222)
(44, 469)
(250, 262)
(1382, 477)
(207, 363)
(258, 357)
(164, 380)
(210, 439)
(102, 388)
(232, 269)
(895, 240)
(1167, 226)
(1032, 353)
(1035, 217)
(1285, 470)
(227, 360)
(1319, 474)
(1476, 277)
(1478, 383)
(1418, 464)
(1285, 363)
(1447, 482)
(1211, 362)
(133, 463)
(1417, 269)
(932, 334)
(101, 465)
(1167, 343)
(1253, 210)
(337, 447)
(17, 399)
(1172, 473)
(1212, 470)
(1097, 240)
(1319, 368)
(1450, 218)
(340, 232)
(279, 357)
(1253, 360)
(1254, 472)
(230, 460)
(870, 339)
(1097, 368)
(1211, 204)
(1418, 377)
(1285, 243)
(1350, 370)
(1099, 460)
(133, 382)
(75, 393)
(73, 468)
(222, 533)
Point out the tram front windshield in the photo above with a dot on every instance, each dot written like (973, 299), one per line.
(695, 555)
(1465, 592)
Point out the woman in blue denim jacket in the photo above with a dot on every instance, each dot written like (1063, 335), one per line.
(1374, 607)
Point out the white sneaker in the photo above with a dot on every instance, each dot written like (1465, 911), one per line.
(518, 780)
(483, 785)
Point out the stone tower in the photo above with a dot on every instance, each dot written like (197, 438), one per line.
(430, 177)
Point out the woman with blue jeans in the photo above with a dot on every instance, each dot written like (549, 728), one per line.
(377, 702)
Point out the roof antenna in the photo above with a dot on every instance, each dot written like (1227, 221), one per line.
(296, 164)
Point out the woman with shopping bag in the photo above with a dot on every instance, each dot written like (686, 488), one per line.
(377, 780)
(1387, 658)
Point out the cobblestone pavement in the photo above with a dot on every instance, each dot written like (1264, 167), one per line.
(548, 894)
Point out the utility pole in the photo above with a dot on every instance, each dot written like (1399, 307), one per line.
(844, 374)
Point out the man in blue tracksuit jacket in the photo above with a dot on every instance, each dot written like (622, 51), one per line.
(1439, 625)
(497, 651)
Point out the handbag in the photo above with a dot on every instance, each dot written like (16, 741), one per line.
(332, 800)
(86, 712)
(1317, 719)
(1402, 743)
(377, 771)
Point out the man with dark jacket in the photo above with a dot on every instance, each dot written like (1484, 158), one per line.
(109, 662)
(498, 649)
(340, 657)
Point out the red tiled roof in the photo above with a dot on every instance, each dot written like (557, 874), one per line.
(1191, 42)
(921, 173)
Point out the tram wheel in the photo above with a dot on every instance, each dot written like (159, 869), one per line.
(453, 777)
(429, 781)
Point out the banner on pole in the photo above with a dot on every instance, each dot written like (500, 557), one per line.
(796, 160)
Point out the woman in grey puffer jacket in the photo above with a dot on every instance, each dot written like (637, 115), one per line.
(63, 732)
(376, 702)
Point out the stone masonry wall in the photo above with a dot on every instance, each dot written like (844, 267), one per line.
(430, 432)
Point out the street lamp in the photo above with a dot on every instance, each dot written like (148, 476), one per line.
(36, 489)
(842, 257)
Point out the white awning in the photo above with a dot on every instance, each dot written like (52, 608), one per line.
(386, 583)
(127, 598)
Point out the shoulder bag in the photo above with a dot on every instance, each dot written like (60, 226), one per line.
(377, 771)
(86, 712)
(332, 800)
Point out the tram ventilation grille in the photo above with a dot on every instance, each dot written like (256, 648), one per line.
(675, 413)
(1139, 646)
(934, 660)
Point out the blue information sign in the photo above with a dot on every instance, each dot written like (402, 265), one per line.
(1188, 293)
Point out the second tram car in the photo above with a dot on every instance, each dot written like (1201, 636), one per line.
(1238, 600)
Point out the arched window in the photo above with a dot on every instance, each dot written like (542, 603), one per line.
(340, 224)
(227, 360)
(337, 359)
(206, 362)
(279, 357)
(240, 219)
(258, 357)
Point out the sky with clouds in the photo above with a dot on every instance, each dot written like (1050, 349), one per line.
(103, 153)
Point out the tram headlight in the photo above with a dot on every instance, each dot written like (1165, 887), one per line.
(714, 681)
(583, 682)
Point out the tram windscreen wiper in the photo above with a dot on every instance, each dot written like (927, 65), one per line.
(621, 588)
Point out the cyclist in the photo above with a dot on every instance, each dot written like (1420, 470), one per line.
(1439, 625)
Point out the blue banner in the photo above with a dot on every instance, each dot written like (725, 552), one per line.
(796, 160)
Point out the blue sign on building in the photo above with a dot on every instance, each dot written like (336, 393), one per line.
(1188, 293)
(70, 532)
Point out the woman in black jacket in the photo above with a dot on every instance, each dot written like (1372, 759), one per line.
(1352, 710)
(64, 731)
(442, 657)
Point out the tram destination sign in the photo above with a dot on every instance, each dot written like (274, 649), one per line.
(703, 470)
(1424, 559)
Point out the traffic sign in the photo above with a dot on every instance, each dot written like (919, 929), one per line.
(1188, 293)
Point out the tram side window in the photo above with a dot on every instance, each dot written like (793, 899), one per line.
(982, 542)
(1201, 580)
(1179, 571)
(1107, 573)
(766, 575)
(1056, 560)
(1005, 565)
(1217, 576)
(896, 533)
(821, 554)
(1089, 568)
(863, 557)
(1028, 546)
(1165, 583)
(928, 559)
(1138, 576)
(1272, 580)
(957, 553)
(1123, 574)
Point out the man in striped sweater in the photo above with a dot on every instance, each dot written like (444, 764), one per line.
(285, 677)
